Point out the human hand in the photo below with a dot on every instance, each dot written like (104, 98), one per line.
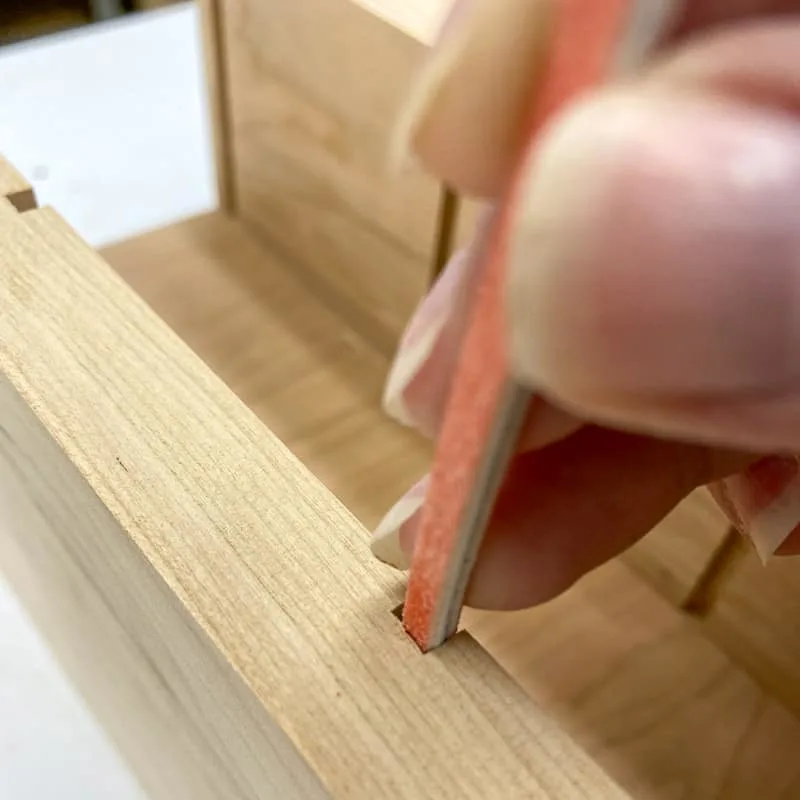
(654, 290)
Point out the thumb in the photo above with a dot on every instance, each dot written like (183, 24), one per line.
(655, 279)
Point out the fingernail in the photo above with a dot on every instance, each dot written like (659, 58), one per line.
(441, 61)
(763, 502)
(484, 44)
(386, 544)
(692, 296)
(420, 338)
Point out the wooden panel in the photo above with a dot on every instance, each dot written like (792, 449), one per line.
(177, 711)
(315, 87)
(313, 381)
(15, 187)
(119, 434)
(637, 684)
(757, 620)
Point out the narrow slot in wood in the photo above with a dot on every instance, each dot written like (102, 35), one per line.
(15, 187)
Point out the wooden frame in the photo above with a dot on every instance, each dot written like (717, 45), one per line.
(192, 446)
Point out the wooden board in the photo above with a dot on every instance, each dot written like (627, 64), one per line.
(305, 372)
(314, 88)
(667, 713)
(146, 470)
(756, 620)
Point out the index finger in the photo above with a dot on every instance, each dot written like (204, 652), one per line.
(465, 118)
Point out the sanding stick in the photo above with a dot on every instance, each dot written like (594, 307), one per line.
(592, 41)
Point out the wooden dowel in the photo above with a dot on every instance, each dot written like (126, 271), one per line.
(721, 566)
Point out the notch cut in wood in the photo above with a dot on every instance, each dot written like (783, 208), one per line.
(15, 188)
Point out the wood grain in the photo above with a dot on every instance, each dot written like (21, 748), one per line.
(179, 714)
(667, 713)
(756, 620)
(15, 187)
(312, 109)
(148, 450)
(312, 379)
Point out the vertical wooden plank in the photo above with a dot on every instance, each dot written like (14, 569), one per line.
(216, 67)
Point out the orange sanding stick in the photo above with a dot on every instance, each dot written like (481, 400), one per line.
(592, 41)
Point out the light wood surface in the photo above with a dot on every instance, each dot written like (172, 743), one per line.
(312, 107)
(124, 445)
(647, 693)
(757, 619)
(302, 368)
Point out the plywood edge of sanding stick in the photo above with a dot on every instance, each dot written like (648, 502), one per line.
(214, 549)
